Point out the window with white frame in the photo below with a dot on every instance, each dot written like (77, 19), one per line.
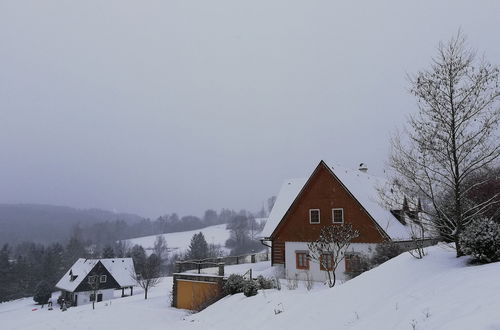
(314, 216)
(338, 215)
(103, 279)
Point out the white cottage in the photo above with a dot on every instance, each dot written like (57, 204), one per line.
(100, 276)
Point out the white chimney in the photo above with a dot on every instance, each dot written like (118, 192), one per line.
(363, 168)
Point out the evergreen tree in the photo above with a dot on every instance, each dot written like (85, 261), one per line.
(5, 273)
(108, 252)
(139, 256)
(74, 250)
(198, 248)
(53, 263)
(43, 292)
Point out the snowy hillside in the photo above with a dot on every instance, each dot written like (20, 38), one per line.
(179, 242)
(438, 292)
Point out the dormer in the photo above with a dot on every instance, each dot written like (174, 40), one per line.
(71, 276)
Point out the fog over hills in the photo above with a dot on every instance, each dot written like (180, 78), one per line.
(49, 223)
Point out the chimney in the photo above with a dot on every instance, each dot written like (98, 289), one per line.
(363, 168)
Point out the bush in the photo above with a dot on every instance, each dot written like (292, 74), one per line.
(384, 252)
(265, 283)
(250, 288)
(481, 240)
(234, 284)
(361, 267)
(43, 292)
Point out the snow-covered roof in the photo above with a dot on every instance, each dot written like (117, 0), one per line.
(366, 189)
(121, 269)
(288, 192)
(363, 186)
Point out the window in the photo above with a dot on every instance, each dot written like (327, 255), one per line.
(103, 279)
(302, 260)
(338, 215)
(352, 263)
(326, 261)
(92, 279)
(314, 216)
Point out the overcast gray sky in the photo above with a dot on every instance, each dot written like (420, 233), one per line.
(165, 106)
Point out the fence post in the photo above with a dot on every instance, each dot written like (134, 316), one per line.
(221, 269)
(178, 267)
(237, 260)
(199, 267)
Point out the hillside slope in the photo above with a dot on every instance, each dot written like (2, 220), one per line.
(179, 242)
(438, 292)
(20, 222)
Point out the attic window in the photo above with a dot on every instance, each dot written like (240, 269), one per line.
(103, 279)
(314, 216)
(92, 279)
(338, 215)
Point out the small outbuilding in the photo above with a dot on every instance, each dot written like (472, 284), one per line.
(96, 279)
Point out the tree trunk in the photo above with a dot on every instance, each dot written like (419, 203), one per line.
(145, 293)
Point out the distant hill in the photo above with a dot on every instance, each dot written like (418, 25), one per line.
(49, 223)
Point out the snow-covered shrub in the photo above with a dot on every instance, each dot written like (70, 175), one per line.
(265, 283)
(309, 281)
(481, 240)
(384, 252)
(292, 283)
(250, 288)
(43, 291)
(276, 283)
(361, 265)
(234, 284)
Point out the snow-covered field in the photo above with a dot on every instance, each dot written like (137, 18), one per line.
(179, 242)
(438, 292)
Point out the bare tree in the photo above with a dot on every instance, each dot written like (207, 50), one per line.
(94, 284)
(150, 275)
(452, 137)
(161, 250)
(329, 249)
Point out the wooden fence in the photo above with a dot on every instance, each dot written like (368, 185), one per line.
(219, 263)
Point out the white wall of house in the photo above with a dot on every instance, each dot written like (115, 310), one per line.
(84, 296)
(314, 271)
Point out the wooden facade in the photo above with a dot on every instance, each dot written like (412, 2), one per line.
(323, 191)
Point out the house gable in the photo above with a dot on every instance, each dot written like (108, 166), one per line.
(324, 191)
(98, 269)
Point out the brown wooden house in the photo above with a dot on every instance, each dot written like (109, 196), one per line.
(331, 195)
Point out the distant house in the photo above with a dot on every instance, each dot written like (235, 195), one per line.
(332, 195)
(107, 275)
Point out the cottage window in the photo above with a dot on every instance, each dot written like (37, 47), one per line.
(352, 263)
(103, 279)
(314, 216)
(302, 260)
(92, 279)
(338, 215)
(326, 261)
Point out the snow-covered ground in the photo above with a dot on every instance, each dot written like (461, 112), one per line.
(179, 242)
(437, 292)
